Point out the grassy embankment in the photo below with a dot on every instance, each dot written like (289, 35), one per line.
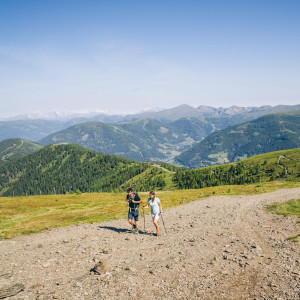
(291, 207)
(32, 214)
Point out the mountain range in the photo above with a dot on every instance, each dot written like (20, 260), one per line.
(184, 135)
(268, 133)
(141, 140)
(32, 130)
(36, 129)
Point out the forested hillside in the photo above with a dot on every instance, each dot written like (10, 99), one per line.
(67, 168)
(71, 168)
(14, 148)
(141, 140)
(278, 165)
(265, 134)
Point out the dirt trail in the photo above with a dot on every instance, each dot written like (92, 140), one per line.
(223, 247)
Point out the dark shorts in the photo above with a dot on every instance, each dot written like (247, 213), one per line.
(134, 214)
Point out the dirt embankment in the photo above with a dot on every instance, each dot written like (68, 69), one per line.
(223, 247)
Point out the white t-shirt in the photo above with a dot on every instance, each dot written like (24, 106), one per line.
(154, 205)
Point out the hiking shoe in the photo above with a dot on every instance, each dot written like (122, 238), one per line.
(133, 227)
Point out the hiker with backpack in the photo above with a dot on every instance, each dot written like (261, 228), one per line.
(156, 209)
(134, 201)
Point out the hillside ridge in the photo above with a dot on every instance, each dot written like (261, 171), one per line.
(265, 134)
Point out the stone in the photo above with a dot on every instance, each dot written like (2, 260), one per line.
(46, 265)
(103, 266)
(11, 290)
(6, 275)
(224, 272)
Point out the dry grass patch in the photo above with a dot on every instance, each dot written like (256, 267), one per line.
(291, 207)
(22, 215)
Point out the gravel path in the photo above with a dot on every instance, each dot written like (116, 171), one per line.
(223, 247)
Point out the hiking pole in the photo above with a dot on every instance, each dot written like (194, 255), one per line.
(163, 222)
(144, 220)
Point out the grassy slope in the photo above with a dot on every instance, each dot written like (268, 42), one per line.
(62, 166)
(277, 165)
(278, 162)
(16, 148)
(149, 175)
(22, 215)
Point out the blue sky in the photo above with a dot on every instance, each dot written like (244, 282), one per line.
(125, 56)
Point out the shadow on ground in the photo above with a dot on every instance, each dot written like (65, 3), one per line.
(123, 230)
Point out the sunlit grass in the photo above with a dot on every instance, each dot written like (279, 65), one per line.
(291, 207)
(23, 215)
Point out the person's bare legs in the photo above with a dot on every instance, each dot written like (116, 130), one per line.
(136, 223)
(156, 226)
(130, 222)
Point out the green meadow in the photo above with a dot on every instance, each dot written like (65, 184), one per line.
(32, 214)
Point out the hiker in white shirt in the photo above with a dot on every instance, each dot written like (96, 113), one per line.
(156, 209)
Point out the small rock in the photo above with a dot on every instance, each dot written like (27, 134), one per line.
(46, 265)
(6, 275)
(130, 269)
(11, 290)
(103, 266)
(224, 272)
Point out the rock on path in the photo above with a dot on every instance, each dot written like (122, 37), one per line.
(223, 247)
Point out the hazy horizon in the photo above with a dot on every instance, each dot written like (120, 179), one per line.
(67, 114)
(127, 56)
